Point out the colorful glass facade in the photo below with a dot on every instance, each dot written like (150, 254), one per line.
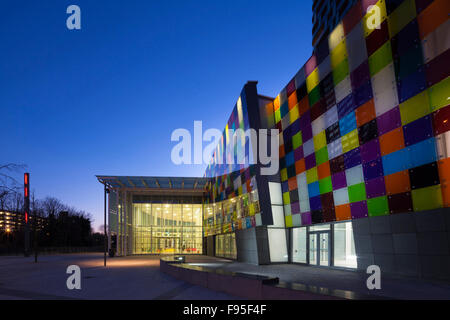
(365, 122)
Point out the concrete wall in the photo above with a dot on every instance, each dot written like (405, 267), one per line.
(413, 244)
(252, 245)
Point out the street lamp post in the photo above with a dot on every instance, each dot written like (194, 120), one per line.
(104, 229)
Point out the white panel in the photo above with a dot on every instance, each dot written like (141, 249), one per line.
(340, 196)
(356, 47)
(324, 68)
(277, 245)
(436, 42)
(343, 89)
(443, 145)
(302, 187)
(299, 245)
(258, 219)
(385, 90)
(287, 210)
(331, 117)
(308, 147)
(278, 216)
(354, 175)
(304, 206)
(276, 196)
(334, 149)
(300, 78)
(318, 125)
(285, 122)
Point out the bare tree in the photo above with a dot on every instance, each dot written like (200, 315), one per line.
(52, 206)
(9, 186)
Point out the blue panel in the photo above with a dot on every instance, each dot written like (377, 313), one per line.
(315, 203)
(290, 159)
(422, 153)
(363, 94)
(248, 223)
(346, 105)
(347, 123)
(405, 39)
(418, 130)
(284, 109)
(313, 189)
(373, 169)
(284, 186)
(395, 161)
(352, 158)
(411, 85)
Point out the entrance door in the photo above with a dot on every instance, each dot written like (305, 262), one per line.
(319, 248)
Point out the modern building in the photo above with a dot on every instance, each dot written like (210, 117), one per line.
(364, 168)
(11, 221)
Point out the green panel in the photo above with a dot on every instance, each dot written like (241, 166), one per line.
(322, 155)
(357, 192)
(297, 140)
(288, 220)
(427, 198)
(378, 206)
(311, 175)
(340, 72)
(277, 115)
(401, 17)
(415, 107)
(325, 185)
(409, 62)
(440, 94)
(380, 58)
(314, 95)
(286, 198)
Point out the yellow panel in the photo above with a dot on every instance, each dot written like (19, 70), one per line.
(381, 5)
(401, 17)
(415, 107)
(293, 114)
(320, 141)
(311, 175)
(350, 141)
(440, 94)
(283, 174)
(336, 36)
(312, 80)
(338, 54)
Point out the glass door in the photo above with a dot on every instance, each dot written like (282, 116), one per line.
(319, 248)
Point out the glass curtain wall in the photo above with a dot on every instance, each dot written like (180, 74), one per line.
(226, 246)
(167, 228)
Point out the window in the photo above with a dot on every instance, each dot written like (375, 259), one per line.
(344, 245)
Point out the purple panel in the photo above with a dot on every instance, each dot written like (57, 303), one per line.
(360, 75)
(389, 121)
(352, 158)
(305, 119)
(298, 153)
(418, 130)
(310, 161)
(375, 188)
(315, 203)
(307, 132)
(422, 4)
(295, 126)
(359, 209)
(373, 169)
(306, 218)
(363, 94)
(405, 39)
(438, 69)
(338, 180)
(284, 186)
(295, 207)
(346, 105)
(370, 151)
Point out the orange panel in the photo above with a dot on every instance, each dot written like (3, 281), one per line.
(292, 183)
(282, 154)
(365, 113)
(323, 170)
(276, 103)
(292, 100)
(303, 105)
(343, 212)
(269, 108)
(300, 166)
(397, 182)
(433, 16)
(444, 176)
(392, 141)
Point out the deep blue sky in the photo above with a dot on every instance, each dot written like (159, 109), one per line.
(105, 99)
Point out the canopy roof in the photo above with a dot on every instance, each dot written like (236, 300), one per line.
(154, 183)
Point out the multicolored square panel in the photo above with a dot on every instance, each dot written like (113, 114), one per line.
(365, 122)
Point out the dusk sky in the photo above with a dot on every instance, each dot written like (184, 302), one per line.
(105, 99)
